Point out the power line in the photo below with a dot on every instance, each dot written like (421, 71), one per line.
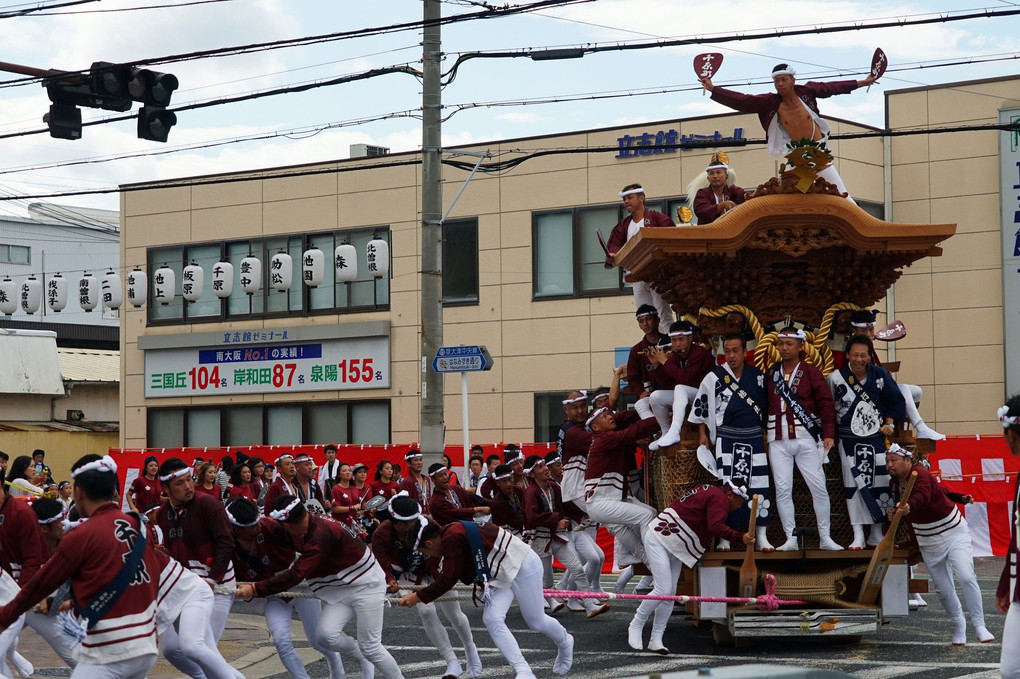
(41, 8)
(503, 166)
(122, 9)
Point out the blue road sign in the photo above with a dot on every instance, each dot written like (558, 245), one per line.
(462, 359)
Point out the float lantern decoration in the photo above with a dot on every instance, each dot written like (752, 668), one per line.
(56, 293)
(345, 261)
(223, 279)
(313, 267)
(192, 282)
(31, 295)
(164, 283)
(251, 274)
(88, 292)
(281, 271)
(378, 255)
(137, 288)
(113, 291)
(8, 296)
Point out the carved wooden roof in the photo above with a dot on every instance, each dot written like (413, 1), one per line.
(781, 255)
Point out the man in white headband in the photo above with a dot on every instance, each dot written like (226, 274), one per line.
(1007, 595)
(791, 113)
(677, 537)
(283, 484)
(802, 427)
(715, 192)
(639, 217)
(944, 540)
(417, 484)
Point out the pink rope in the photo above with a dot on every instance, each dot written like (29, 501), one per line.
(766, 602)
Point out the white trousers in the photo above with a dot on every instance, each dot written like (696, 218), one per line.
(189, 644)
(132, 668)
(665, 573)
(9, 644)
(912, 396)
(436, 631)
(527, 589)
(364, 604)
(644, 294)
(1009, 667)
(220, 612)
(830, 175)
(48, 628)
(625, 519)
(804, 453)
(677, 398)
(592, 558)
(955, 554)
(279, 614)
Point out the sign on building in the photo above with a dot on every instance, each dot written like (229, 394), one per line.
(1009, 196)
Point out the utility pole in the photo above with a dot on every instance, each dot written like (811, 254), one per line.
(433, 427)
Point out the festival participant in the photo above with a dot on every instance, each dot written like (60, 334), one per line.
(240, 483)
(417, 484)
(572, 443)
(307, 489)
(346, 500)
(867, 403)
(341, 571)
(283, 484)
(678, 537)
(715, 192)
(514, 456)
(582, 537)
(863, 323)
(640, 369)
(205, 481)
(329, 473)
(359, 478)
(1007, 595)
(145, 490)
(544, 515)
(508, 503)
(384, 484)
(196, 533)
(730, 410)
(451, 503)
(262, 549)
(506, 569)
(638, 218)
(106, 558)
(404, 567)
(791, 114)
(606, 490)
(801, 430)
(943, 538)
(258, 486)
(678, 375)
(65, 491)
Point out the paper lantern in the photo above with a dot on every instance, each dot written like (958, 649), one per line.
(223, 279)
(281, 271)
(313, 267)
(56, 293)
(164, 285)
(88, 292)
(8, 296)
(31, 295)
(192, 282)
(345, 261)
(251, 274)
(112, 290)
(378, 255)
(137, 288)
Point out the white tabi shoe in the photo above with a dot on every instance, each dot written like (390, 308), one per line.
(960, 631)
(453, 669)
(474, 662)
(634, 636)
(22, 667)
(723, 546)
(575, 606)
(923, 431)
(555, 604)
(916, 600)
(597, 610)
(859, 542)
(791, 545)
(761, 540)
(621, 582)
(655, 646)
(828, 544)
(983, 635)
(670, 438)
(875, 535)
(564, 657)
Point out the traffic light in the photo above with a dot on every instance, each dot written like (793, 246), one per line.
(64, 121)
(152, 87)
(154, 122)
(126, 82)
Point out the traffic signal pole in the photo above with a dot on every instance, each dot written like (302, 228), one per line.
(432, 439)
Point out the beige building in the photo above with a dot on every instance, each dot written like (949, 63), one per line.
(523, 276)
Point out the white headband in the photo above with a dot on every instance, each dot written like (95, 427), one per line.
(553, 460)
(646, 314)
(528, 470)
(519, 456)
(789, 70)
(681, 333)
(398, 517)
(52, 519)
(599, 411)
(739, 490)
(631, 192)
(582, 397)
(1005, 419)
(798, 334)
(71, 525)
(186, 471)
(103, 464)
(717, 166)
(303, 457)
(284, 514)
(231, 519)
(863, 325)
(508, 475)
(895, 449)
(411, 456)
(285, 456)
(422, 522)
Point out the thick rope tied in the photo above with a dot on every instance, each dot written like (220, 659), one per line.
(829, 317)
(752, 320)
(766, 602)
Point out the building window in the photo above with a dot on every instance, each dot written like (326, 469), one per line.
(332, 296)
(312, 423)
(460, 262)
(548, 415)
(567, 260)
(15, 254)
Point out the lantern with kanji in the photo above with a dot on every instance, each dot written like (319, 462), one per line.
(112, 290)
(281, 271)
(8, 296)
(137, 287)
(31, 295)
(56, 293)
(250, 274)
(377, 253)
(313, 267)
(192, 282)
(345, 261)
(222, 279)
(88, 292)
(164, 283)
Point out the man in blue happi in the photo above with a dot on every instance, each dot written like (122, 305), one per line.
(730, 410)
(868, 402)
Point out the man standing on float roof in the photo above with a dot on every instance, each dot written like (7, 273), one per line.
(791, 114)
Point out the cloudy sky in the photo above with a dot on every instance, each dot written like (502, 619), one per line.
(101, 31)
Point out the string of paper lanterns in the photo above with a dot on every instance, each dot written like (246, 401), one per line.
(110, 290)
